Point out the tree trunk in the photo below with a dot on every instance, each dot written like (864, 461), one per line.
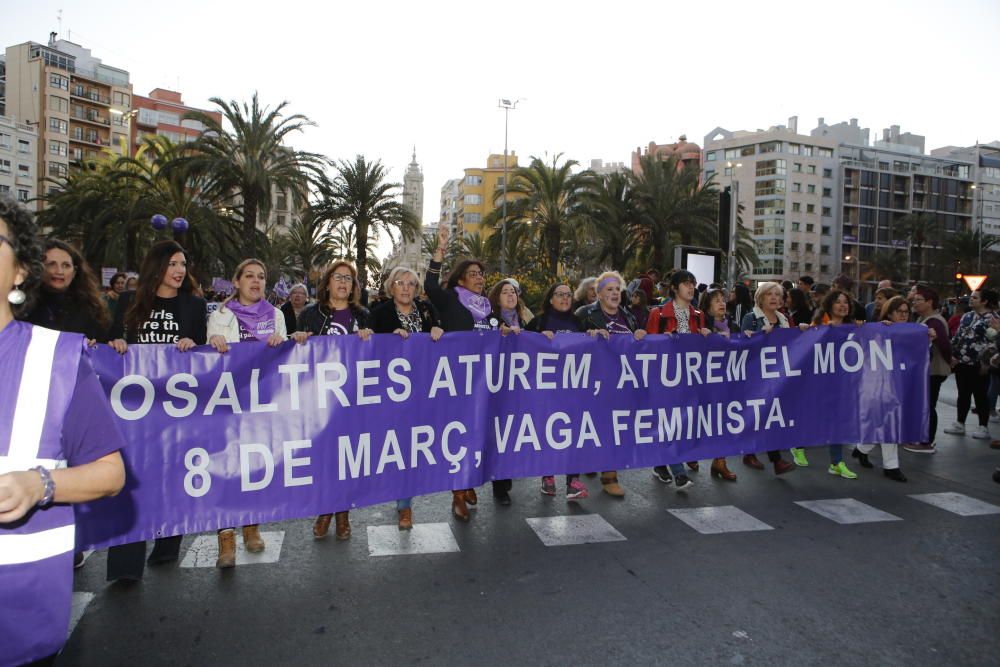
(361, 246)
(553, 243)
(249, 224)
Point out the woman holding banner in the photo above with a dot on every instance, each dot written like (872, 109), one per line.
(835, 310)
(926, 304)
(163, 309)
(337, 312)
(402, 314)
(60, 446)
(557, 317)
(246, 316)
(606, 317)
(894, 311)
(766, 316)
(463, 307)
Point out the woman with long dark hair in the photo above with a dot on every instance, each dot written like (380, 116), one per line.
(69, 299)
(740, 303)
(404, 314)
(59, 445)
(926, 304)
(245, 316)
(557, 317)
(799, 309)
(337, 312)
(837, 309)
(463, 307)
(163, 309)
(606, 317)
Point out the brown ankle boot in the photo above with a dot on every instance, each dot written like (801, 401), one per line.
(322, 526)
(470, 496)
(458, 507)
(721, 470)
(343, 526)
(405, 518)
(227, 549)
(252, 540)
(609, 482)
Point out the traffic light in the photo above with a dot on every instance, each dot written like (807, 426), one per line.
(725, 217)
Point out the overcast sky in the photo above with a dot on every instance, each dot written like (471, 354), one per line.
(597, 79)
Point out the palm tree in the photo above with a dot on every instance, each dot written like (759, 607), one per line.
(674, 207)
(250, 159)
(360, 197)
(888, 264)
(548, 199)
(310, 243)
(965, 247)
(919, 229)
(612, 213)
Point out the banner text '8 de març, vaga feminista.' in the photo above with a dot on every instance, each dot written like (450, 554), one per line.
(266, 434)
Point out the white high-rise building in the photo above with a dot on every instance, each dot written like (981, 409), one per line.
(18, 143)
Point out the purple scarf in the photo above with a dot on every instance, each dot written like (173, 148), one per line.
(510, 317)
(477, 305)
(257, 319)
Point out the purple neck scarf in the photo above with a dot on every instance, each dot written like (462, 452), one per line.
(257, 319)
(476, 304)
(510, 317)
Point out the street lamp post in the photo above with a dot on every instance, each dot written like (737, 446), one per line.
(733, 222)
(506, 105)
(979, 258)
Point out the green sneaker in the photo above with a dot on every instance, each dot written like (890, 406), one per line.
(842, 470)
(799, 455)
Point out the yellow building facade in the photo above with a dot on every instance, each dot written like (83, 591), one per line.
(477, 192)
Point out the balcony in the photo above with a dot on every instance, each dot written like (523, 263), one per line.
(85, 117)
(90, 95)
(90, 140)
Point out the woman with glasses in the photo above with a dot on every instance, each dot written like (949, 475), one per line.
(713, 305)
(606, 317)
(298, 299)
(895, 310)
(337, 312)
(404, 314)
(463, 307)
(968, 346)
(557, 317)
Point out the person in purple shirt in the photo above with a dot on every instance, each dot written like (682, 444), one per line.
(58, 445)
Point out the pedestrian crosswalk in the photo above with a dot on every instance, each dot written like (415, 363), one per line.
(560, 531)
(423, 538)
(204, 550)
(847, 511)
(715, 520)
(957, 503)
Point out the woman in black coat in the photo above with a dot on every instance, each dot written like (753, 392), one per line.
(69, 299)
(163, 309)
(462, 307)
(403, 314)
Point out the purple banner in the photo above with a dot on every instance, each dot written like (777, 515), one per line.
(266, 434)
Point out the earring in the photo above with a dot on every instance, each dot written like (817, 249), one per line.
(16, 296)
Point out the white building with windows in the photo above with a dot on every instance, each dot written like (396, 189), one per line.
(18, 143)
(410, 252)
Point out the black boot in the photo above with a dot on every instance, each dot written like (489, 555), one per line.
(861, 457)
(895, 474)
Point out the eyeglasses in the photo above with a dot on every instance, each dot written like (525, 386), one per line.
(474, 274)
(343, 277)
(561, 294)
(404, 283)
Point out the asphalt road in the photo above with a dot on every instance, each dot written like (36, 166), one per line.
(913, 584)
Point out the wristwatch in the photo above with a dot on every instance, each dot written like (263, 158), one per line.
(50, 486)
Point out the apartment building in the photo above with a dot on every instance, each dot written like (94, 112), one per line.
(18, 144)
(687, 153)
(162, 113)
(477, 193)
(985, 159)
(787, 185)
(77, 102)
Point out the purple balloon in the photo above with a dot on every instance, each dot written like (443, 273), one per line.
(158, 221)
(179, 225)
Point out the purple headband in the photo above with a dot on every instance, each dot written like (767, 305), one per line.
(607, 281)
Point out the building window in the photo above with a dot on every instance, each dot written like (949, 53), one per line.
(811, 189)
(4, 140)
(58, 81)
(811, 169)
(59, 104)
(827, 192)
(797, 167)
(809, 247)
(828, 173)
(4, 166)
(710, 156)
(795, 246)
(58, 126)
(825, 230)
(732, 153)
(24, 170)
(796, 187)
(709, 173)
(473, 200)
(796, 207)
(121, 100)
(809, 266)
(473, 218)
(57, 170)
(824, 152)
(810, 227)
(794, 266)
(281, 220)
(22, 195)
(794, 149)
(807, 151)
(810, 208)
(824, 268)
(500, 183)
(5, 190)
(473, 180)
(282, 202)
(770, 147)
(827, 212)
(824, 249)
(795, 226)
(747, 150)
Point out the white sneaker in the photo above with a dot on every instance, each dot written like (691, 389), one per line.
(955, 429)
(982, 433)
